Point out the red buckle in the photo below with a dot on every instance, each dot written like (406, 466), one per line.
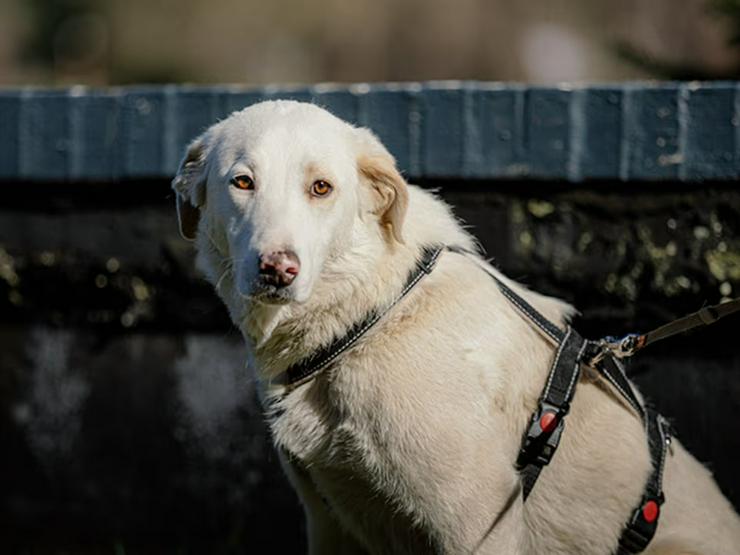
(642, 525)
(548, 421)
(543, 436)
(650, 511)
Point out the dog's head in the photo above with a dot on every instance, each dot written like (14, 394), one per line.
(277, 189)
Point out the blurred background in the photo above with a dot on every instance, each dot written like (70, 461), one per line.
(128, 421)
(118, 42)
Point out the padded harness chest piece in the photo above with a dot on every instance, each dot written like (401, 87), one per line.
(548, 421)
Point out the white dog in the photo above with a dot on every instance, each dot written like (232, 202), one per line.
(406, 443)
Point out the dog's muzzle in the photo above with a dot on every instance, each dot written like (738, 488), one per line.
(279, 268)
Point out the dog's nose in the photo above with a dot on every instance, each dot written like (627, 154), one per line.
(279, 268)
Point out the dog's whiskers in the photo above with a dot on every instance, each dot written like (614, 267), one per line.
(228, 270)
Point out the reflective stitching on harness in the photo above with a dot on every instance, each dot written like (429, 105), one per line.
(576, 373)
(546, 392)
(505, 290)
(619, 388)
(529, 312)
(378, 316)
(663, 448)
(306, 372)
(620, 366)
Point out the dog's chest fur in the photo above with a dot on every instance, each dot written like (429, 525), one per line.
(374, 435)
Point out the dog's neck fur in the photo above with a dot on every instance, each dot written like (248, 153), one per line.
(339, 300)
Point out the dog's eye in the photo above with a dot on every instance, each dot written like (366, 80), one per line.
(321, 188)
(243, 182)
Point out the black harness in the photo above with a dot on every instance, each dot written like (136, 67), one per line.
(546, 426)
(548, 421)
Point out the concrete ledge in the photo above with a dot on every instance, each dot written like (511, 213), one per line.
(639, 131)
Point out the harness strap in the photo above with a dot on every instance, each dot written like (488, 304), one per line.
(593, 353)
(552, 332)
(561, 383)
(548, 421)
(306, 369)
(641, 527)
(548, 328)
(613, 371)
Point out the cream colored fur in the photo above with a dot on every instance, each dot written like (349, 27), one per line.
(407, 443)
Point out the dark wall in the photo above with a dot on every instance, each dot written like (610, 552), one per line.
(129, 423)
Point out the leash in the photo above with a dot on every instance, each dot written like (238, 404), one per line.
(629, 344)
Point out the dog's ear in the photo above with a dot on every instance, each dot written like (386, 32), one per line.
(190, 187)
(378, 169)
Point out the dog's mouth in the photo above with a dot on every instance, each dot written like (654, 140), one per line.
(267, 293)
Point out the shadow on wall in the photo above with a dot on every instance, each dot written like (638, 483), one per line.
(146, 441)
